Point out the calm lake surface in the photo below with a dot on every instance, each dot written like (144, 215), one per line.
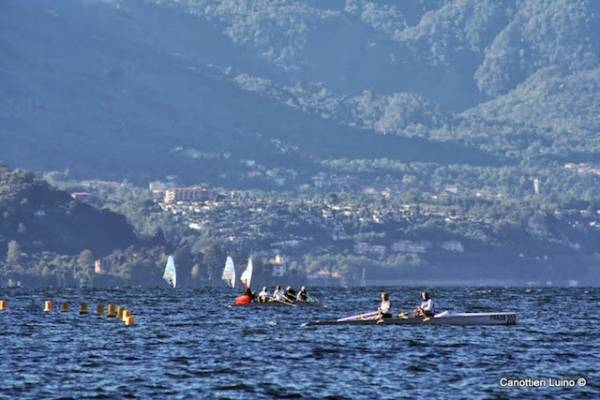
(190, 344)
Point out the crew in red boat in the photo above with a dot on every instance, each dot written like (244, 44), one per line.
(263, 296)
(290, 295)
(246, 298)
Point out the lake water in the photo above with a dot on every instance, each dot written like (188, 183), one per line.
(190, 344)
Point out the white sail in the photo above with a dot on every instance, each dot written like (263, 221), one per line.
(246, 277)
(170, 274)
(229, 272)
(363, 281)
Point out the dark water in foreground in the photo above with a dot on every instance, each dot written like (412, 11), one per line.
(189, 344)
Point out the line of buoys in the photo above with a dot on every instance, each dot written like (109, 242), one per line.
(113, 311)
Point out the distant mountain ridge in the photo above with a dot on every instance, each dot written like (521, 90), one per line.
(146, 89)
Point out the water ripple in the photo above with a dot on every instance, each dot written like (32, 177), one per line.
(189, 344)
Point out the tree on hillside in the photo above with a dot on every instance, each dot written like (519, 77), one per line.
(183, 260)
(85, 272)
(196, 274)
(214, 259)
(86, 259)
(13, 254)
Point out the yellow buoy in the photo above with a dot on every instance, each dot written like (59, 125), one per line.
(83, 308)
(130, 321)
(3, 305)
(126, 314)
(112, 311)
(64, 307)
(100, 309)
(48, 305)
(120, 311)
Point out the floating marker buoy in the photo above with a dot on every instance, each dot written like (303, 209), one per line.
(120, 312)
(126, 314)
(3, 305)
(112, 311)
(100, 309)
(64, 307)
(83, 308)
(130, 321)
(48, 305)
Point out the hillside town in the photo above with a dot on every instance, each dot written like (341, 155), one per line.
(350, 235)
(377, 227)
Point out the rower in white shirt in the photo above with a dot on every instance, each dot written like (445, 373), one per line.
(426, 309)
(263, 296)
(302, 296)
(385, 307)
(278, 294)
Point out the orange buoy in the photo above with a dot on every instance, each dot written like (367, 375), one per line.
(130, 321)
(3, 305)
(126, 314)
(120, 312)
(100, 309)
(83, 308)
(64, 307)
(48, 305)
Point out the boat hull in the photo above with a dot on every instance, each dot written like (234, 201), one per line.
(277, 304)
(462, 319)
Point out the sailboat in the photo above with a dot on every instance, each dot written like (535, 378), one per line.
(229, 273)
(363, 281)
(170, 274)
(246, 277)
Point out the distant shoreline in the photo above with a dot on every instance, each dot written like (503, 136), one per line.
(470, 283)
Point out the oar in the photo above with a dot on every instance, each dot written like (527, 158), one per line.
(359, 316)
(287, 304)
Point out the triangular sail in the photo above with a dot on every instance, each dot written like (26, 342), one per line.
(229, 272)
(170, 274)
(246, 277)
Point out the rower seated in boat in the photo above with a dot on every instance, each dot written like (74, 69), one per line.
(290, 295)
(278, 294)
(302, 296)
(246, 298)
(384, 310)
(263, 296)
(426, 309)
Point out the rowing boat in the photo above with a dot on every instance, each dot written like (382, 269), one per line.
(444, 318)
(279, 304)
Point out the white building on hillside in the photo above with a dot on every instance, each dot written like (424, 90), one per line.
(453, 245)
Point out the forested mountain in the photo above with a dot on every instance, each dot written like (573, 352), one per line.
(197, 88)
(48, 238)
(41, 218)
